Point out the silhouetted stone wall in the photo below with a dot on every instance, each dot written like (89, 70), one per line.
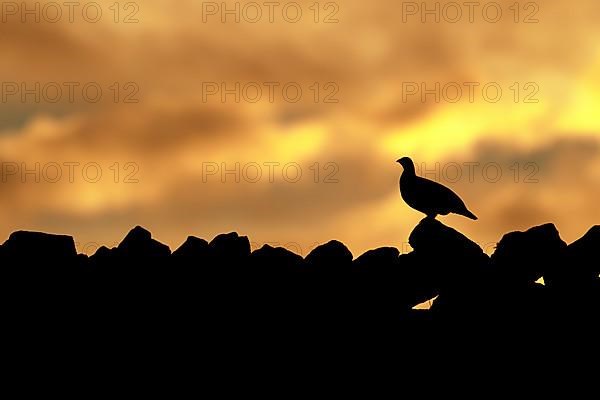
(223, 283)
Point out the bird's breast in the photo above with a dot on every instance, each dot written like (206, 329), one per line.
(407, 189)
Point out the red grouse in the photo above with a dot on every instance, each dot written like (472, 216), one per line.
(427, 196)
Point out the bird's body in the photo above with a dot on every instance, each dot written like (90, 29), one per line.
(429, 197)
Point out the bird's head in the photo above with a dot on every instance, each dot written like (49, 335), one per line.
(407, 164)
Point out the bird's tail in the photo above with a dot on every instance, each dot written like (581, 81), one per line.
(469, 214)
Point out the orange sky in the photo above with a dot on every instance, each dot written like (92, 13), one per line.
(156, 153)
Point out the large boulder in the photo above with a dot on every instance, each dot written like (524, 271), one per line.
(38, 245)
(432, 238)
(524, 257)
(418, 279)
(139, 244)
(103, 253)
(580, 265)
(230, 247)
(272, 275)
(449, 256)
(276, 260)
(583, 255)
(39, 268)
(381, 280)
(193, 248)
(331, 256)
(375, 259)
(446, 263)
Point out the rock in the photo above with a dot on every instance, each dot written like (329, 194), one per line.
(585, 253)
(383, 284)
(274, 269)
(445, 263)
(377, 258)
(277, 257)
(103, 251)
(102, 258)
(435, 239)
(332, 255)
(193, 247)
(417, 280)
(524, 257)
(37, 245)
(447, 256)
(581, 264)
(139, 243)
(230, 246)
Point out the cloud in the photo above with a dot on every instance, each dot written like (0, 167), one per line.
(172, 132)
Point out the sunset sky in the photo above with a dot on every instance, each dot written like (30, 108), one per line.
(159, 133)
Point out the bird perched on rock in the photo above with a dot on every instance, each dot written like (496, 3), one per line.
(427, 196)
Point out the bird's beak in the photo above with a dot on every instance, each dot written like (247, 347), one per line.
(398, 160)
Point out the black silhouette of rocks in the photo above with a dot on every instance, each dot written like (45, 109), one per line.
(331, 255)
(446, 264)
(276, 284)
(223, 288)
(384, 284)
(436, 239)
(24, 244)
(524, 257)
(230, 247)
(379, 274)
(381, 257)
(102, 258)
(275, 259)
(139, 243)
(102, 254)
(582, 259)
(452, 258)
(193, 247)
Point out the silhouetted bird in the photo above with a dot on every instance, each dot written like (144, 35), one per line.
(427, 196)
